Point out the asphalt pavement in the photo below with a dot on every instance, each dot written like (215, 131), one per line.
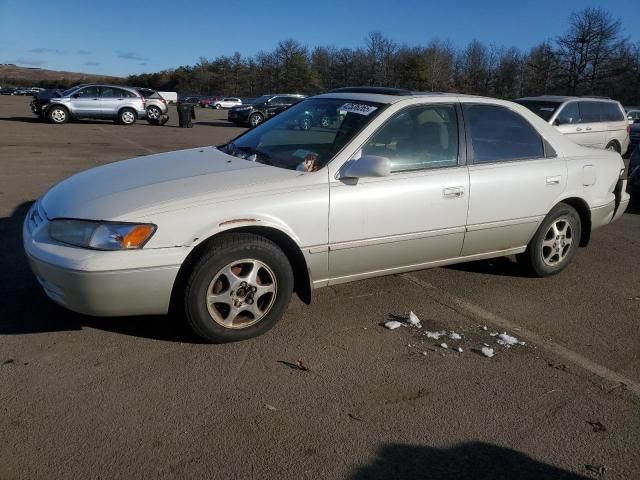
(329, 392)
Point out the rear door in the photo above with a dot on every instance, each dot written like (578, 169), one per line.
(569, 122)
(514, 179)
(595, 128)
(112, 99)
(86, 102)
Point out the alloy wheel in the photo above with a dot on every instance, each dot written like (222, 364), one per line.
(241, 294)
(557, 242)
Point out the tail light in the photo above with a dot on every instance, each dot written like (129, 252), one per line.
(163, 101)
(628, 129)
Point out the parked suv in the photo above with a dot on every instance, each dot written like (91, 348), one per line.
(154, 104)
(262, 108)
(226, 102)
(122, 104)
(588, 121)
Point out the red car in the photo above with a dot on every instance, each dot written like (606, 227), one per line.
(208, 101)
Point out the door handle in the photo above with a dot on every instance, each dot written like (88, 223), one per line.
(555, 180)
(578, 129)
(589, 129)
(453, 192)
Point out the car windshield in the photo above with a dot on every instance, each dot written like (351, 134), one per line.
(544, 110)
(306, 136)
(66, 93)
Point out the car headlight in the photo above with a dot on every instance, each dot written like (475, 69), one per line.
(101, 235)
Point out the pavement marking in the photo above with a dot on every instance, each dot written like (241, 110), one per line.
(135, 144)
(468, 309)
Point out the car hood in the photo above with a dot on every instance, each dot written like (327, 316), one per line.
(132, 188)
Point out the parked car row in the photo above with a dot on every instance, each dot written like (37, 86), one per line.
(262, 108)
(20, 91)
(123, 104)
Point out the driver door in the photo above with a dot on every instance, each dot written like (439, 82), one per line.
(414, 216)
(86, 102)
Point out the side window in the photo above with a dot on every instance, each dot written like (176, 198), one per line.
(125, 93)
(88, 92)
(109, 92)
(277, 101)
(569, 114)
(418, 138)
(611, 112)
(499, 135)
(590, 112)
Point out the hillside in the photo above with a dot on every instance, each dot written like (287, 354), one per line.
(23, 76)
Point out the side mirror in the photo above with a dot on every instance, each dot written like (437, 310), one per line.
(75, 95)
(366, 167)
(556, 123)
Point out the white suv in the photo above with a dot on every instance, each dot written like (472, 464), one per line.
(227, 102)
(588, 121)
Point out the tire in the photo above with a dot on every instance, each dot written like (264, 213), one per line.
(218, 106)
(58, 115)
(232, 259)
(256, 119)
(613, 146)
(127, 116)
(555, 243)
(153, 114)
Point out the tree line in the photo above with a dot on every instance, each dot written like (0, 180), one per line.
(590, 58)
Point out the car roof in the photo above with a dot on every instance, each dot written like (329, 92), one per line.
(386, 95)
(563, 98)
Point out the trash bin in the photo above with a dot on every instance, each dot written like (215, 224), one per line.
(186, 114)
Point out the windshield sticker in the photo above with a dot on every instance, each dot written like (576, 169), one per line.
(358, 108)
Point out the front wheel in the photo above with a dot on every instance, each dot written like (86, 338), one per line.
(58, 115)
(239, 289)
(555, 242)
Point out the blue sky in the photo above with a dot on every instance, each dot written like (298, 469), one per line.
(124, 37)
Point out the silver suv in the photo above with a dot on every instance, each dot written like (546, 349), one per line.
(121, 104)
(155, 105)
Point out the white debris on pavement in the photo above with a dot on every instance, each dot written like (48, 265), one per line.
(507, 340)
(455, 336)
(392, 324)
(444, 345)
(484, 327)
(414, 320)
(435, 335)
(487, 352)
(460, 349)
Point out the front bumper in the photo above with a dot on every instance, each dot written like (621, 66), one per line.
(102, 283)
(239, 116)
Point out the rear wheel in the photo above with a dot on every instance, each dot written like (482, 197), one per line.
(239, 289)
(555, 243)
(218, 106)
(256, 119)
(613, 146)
(153, 114)
(127, 116)
(58, 115)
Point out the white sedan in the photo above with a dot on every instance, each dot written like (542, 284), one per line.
(397, 181)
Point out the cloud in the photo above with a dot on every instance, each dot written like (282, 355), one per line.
(142, 64)
(31, 62)
(46, 50)
(84, 52)
(92, 64)
(130, 56)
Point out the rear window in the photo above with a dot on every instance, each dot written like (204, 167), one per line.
(544, 110)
